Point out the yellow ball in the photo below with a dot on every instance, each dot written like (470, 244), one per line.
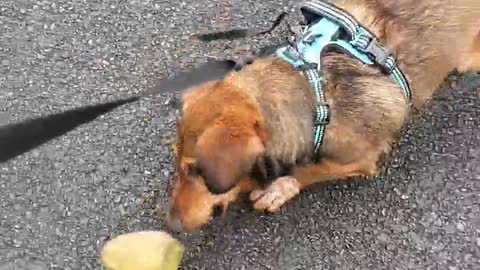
(144, 250)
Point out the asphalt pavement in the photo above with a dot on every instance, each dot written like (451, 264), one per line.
(60, 202)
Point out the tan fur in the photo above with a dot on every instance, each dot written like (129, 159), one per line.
(271, 106)
(434, 36)
(274, 90)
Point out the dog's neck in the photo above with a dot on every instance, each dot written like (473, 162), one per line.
(284, 99)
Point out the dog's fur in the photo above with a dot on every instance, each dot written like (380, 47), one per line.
(266, 110)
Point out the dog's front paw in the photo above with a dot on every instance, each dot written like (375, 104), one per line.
(276, 195)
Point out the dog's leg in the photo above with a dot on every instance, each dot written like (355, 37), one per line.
(285, 188)
(276, 194)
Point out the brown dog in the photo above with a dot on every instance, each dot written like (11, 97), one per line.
(266, 111)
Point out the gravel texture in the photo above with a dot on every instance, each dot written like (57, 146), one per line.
(59, 202)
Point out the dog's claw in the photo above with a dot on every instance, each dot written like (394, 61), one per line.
(276, 195)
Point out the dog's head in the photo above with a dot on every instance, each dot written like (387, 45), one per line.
(219, 136)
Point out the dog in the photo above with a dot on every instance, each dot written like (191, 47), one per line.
(252, 132)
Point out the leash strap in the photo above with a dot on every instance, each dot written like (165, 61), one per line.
(18, 138)
(241, 33)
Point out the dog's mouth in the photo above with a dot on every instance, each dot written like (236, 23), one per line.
(220, 208)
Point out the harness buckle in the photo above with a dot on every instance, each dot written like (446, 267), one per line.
(322, 122)
(373, 48)
(307, 66)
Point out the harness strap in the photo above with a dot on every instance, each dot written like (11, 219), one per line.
(323, 31)
(325, 23)
(323, 109)
(361, 39)
(306, 55)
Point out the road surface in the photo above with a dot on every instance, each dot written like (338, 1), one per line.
(60, 202)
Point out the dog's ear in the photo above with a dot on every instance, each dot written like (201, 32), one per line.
(225, 154)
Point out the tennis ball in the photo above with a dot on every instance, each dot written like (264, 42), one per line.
(143, 250)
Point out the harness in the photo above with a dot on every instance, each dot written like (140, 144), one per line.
(327, 27)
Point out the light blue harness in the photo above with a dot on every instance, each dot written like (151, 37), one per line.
(323, 32)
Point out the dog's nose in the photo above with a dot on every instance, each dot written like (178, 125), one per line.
(217, 189)
(174, 221)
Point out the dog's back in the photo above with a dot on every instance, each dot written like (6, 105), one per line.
(425, 36)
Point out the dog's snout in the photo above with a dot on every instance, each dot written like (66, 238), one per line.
(173, 220)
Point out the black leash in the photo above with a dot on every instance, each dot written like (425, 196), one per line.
(241, 33)
(250, 32)
(18, 138)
